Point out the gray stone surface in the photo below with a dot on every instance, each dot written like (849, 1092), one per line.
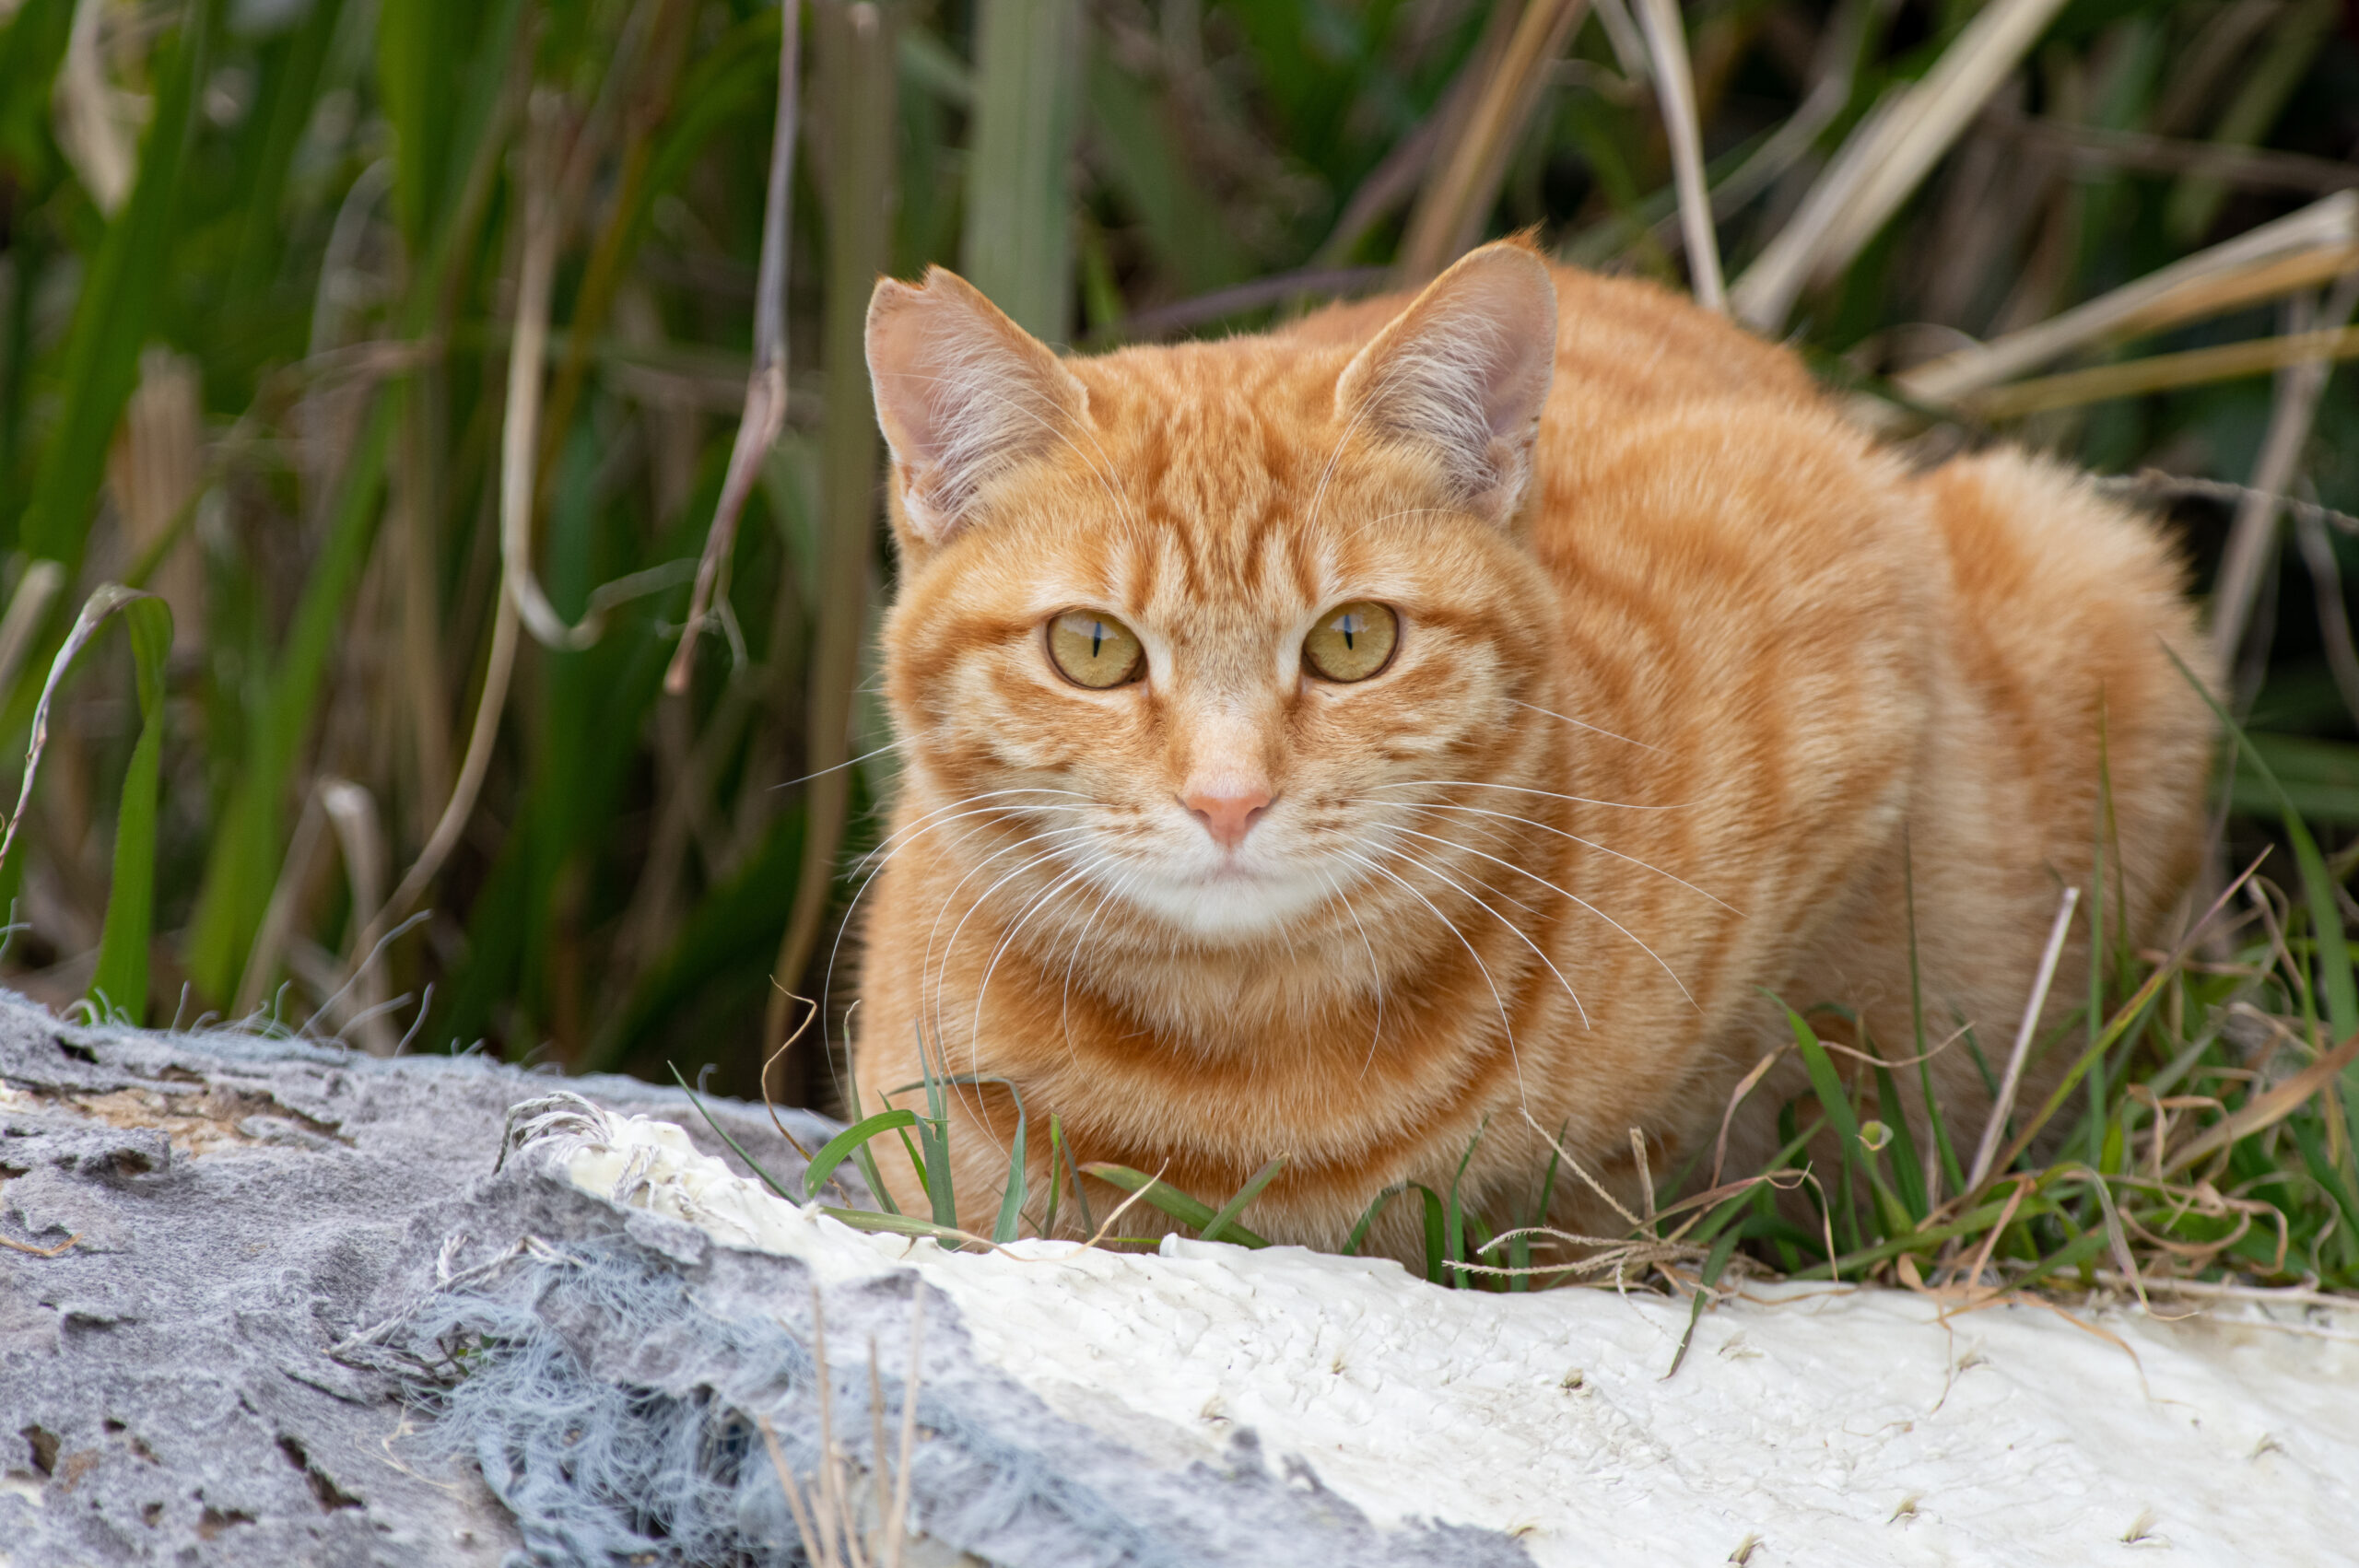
(306, 1322)
(165, 1394)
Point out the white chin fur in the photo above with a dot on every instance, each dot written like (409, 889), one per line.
(1233, 904)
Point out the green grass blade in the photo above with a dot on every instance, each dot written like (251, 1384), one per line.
(866, 1162)
(917, 1160)
(901, 1225)
(120, 984)
(1437, 1238)
(840, 1147)
(1011, 1197)
(734, 1147)
(1221, 1221)
(2333, 962)
(416, 41)
(1453, 1230)
(2322, 1171)
(1056, 1176)
(1367, 1217)
(1950, 1171)
(1826, 1082)
(1828, 1086)
(119, 987)
(243, 857)
(1011, 1201)
(115, 312)
(291, 96)
(1080, 1198)
(1147, 163)
(2317, 885)
(2097, 1096)
(32, 44)
(1028, 106)
(1190, 1211)
(1722, 1250)
(1907, 1169)
(933, 1132)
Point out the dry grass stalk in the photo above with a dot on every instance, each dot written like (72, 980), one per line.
(1449, 217)
(519, 600)
(2234, 292)
(2252, 538)
(278, 915)
(1886, 159)
(2002, 1108)
(521, 423)
(764, 411)
(154, 468)
(351, 811)
(832, 1528)
(2162, 372)
(2334, 613)
(2321, 233)
(1675, 92)
(1830, 91)
(28, 608)
(520, 427)
(855, 60)
(2098, 147)
(2270, 1109)
(500, 666)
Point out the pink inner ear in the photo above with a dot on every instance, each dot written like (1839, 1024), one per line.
(961, 392)
(1465, 371)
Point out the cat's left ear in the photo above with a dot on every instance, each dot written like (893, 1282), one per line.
(1463, 373)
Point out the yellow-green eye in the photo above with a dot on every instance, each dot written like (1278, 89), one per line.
(1352, 642)
(1095, 650)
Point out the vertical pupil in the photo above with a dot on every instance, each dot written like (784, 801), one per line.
(1097, 636)
(1349, 625)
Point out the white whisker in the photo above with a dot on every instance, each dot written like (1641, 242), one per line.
(1506, 1027)
(1470, 850)
(975, 1029)
(1064, 1011)
(1431, 870)
(1375, 971)
(1585, 724)
(926, 964)
(907, 834)
(1521, 790)
(974, 1055)
(1585, 843)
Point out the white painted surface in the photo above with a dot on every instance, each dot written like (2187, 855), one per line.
(1823, 1426)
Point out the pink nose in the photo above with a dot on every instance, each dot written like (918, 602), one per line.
(1228, 814)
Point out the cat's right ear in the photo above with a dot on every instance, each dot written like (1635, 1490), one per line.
(962, 392)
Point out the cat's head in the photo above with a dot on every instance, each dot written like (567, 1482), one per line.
(1198, 627)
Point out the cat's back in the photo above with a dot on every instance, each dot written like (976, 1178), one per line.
(1627, 343)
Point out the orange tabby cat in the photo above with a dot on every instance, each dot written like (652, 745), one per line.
(1456, 716)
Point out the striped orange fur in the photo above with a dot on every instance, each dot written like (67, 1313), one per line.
(1690, 674)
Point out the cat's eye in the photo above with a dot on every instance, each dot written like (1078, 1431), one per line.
(1352, 642)
(1095, 650)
